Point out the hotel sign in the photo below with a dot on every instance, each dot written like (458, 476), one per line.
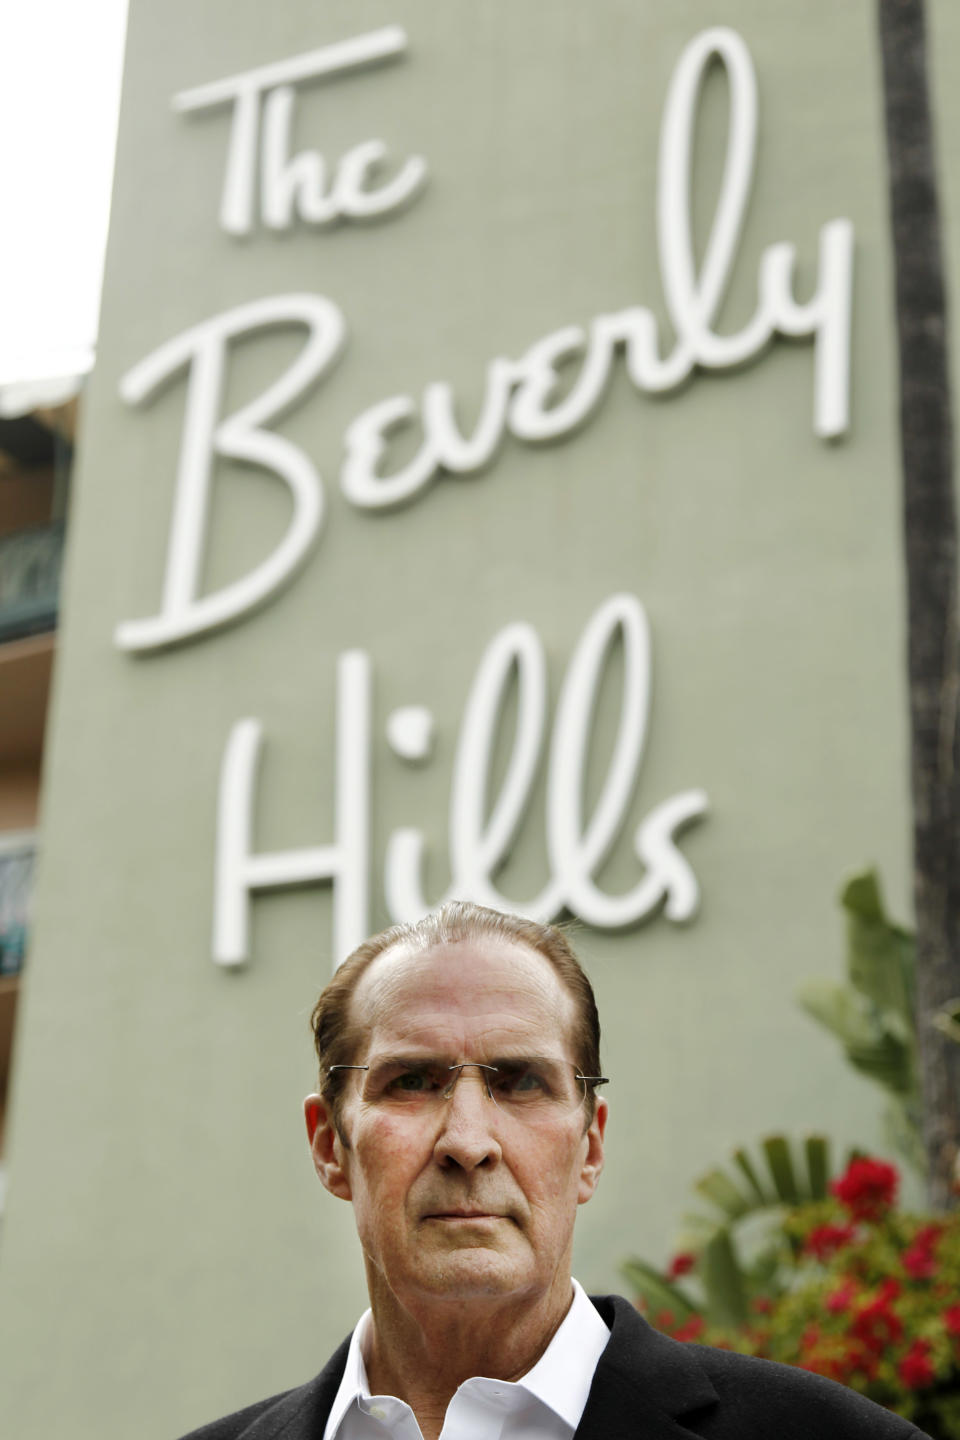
(268, 184)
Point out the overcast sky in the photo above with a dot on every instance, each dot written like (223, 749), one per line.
(60, 64)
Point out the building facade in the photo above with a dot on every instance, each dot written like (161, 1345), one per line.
(488, 486)
(36, 448)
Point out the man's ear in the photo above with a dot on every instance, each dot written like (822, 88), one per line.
(593, 1160)
(328, 1150)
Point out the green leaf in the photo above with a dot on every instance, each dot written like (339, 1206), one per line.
(874, 1041)
(717, 1187)
(886, 1061)
(880, 955)
(872, 1016)
(696, 1231)
(843, 1011)
(742, 1159)
(724, 1282)
(860, 896)
(817, 1151)
(902, 1129)
(780, 1164)
(699, 1227)
(763, 1273)
(656, 1290)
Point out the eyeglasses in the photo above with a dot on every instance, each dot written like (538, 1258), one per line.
(534, 1089)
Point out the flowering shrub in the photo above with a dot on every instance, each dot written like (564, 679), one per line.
(867, 1189)
(860, 1292)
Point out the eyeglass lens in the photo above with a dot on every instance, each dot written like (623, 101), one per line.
(527, 1086)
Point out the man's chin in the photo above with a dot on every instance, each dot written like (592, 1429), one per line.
(458, 1270)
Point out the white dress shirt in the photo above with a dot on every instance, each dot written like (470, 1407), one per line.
(546, 1404)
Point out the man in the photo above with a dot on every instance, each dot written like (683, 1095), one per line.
(457, 1112)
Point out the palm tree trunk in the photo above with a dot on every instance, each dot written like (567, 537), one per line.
(930, 536)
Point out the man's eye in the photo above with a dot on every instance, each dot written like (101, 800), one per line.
(522, 1082)
(412, 1082)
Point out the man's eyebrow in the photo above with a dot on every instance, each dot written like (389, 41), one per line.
(525, 1058)
(504, 1058)
(423, 1057)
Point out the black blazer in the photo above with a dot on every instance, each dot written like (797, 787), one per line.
(646, 1387)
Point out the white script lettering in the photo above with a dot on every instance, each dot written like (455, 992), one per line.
(345, 862)
(239, 437)
(519, 395)
(298, 183)
(478, 844)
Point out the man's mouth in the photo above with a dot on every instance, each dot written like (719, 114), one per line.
(463, 1214)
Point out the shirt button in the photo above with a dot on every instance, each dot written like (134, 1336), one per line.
(378, 1412)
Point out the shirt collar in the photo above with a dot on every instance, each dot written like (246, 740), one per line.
(561, 1378)
(354, 1383)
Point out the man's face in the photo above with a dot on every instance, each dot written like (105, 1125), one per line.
(460, 1198)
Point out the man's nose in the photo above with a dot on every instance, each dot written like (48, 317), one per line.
(467, 1137)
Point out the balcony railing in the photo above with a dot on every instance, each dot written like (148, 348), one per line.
(16, 880)
(30, 580)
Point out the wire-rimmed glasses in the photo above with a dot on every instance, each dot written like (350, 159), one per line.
(531, 1087)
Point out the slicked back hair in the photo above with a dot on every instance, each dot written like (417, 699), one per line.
(337, 1037)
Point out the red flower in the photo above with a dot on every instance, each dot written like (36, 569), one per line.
(810, 1337)
(951, 1320)
(919, 1259)
(762, 1305)
(916, 1368)
(691, 1329)
(841, 1363)
(866, 1362)
(876, 1325)
(759, 1338)
(826, 1240)
(681, 1264)
(867, 1189)
(856, 1357)
(842, 1298)
(919, 1263)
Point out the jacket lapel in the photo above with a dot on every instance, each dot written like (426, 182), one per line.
(301, 1414)
(644, 1382)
